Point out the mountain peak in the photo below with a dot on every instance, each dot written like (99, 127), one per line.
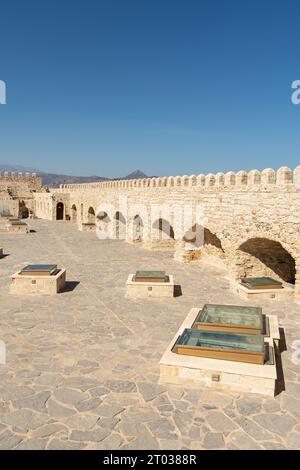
(135, 175)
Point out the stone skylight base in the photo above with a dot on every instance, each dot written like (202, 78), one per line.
(37, 284)
(218, 374)
(149, 289)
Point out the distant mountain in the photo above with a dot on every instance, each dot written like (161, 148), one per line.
(54, 180)
(135, 175)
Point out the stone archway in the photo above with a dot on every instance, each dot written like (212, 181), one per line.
(103, 223)
(91, 215)
(200, 242)
(162, 237)
(74, 213)
(265, 257)
(59, 211)
(137, 229)
(23, 210)
(120, 226)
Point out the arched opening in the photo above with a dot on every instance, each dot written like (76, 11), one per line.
(59, 211)
(264, 257)
(91, 216)
(120, 226)
(74, 213)
(212, 244)
(200, 242)
(164, 228)
(163, 237)
(23, 211)
(102, 216)
(103, 221)
(137, 229)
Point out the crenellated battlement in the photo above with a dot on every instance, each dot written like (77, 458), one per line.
(267, 178)
(17, 175)
(14, 179)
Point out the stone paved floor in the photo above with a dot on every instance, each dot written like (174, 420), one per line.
(82, 367)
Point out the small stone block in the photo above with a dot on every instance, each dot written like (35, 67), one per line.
(149, 289)
(37, 284)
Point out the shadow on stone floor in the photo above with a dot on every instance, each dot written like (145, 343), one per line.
(177, 291)
(282, 341)
(69, 286)
(280, 382)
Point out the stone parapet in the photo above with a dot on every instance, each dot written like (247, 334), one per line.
(265, 179)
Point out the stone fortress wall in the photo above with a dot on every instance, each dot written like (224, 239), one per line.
(16, 193)
(20, 181)
(251, 220)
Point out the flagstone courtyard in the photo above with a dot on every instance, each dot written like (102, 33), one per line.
(82, 367)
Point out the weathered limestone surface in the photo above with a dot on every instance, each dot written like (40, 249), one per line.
(232, 376)
(251, 221)
(82, 368)
(37, 285)
(17, 228)
(17, 193)
(145, 290)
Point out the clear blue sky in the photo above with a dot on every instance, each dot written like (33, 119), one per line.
(170, 87)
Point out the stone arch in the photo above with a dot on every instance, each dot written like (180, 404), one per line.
(137, 229)
(265, 257)
(60, 209)
(103, 223)
(213, 242)
(165, 227)
(91, 215)
(200, 242)
(102, 215)
(163, 236)
(23, 210)
(120, 226)
(74, 213)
